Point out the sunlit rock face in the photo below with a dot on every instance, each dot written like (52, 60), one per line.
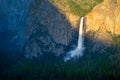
(47, 31)
(13, 15)
(104, 18)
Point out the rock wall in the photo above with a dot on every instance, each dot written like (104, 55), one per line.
(47, 31)
(102, 21)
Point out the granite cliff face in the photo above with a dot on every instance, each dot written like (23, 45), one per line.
(53, 31)
(103, 21)
(47, 31)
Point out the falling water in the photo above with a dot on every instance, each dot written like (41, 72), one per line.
(79, 50)
(80, 39)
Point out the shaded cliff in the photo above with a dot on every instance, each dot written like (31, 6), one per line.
(47, 31)
(13, 16)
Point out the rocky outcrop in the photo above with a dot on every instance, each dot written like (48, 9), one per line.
(47, 31)
(102, 21)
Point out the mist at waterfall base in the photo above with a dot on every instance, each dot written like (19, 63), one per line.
(78, 52)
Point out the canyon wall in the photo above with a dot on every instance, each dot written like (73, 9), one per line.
(102, 22)
(48, 31)
(51, 30)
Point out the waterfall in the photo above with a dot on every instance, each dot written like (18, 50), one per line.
(80, 39)
(79, 49)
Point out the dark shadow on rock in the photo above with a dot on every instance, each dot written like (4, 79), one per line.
(48, 31)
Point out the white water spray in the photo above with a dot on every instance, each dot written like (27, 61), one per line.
(79, 50)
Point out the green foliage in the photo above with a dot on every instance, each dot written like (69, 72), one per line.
(92, 66)
(116, 41)
(77, 7)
